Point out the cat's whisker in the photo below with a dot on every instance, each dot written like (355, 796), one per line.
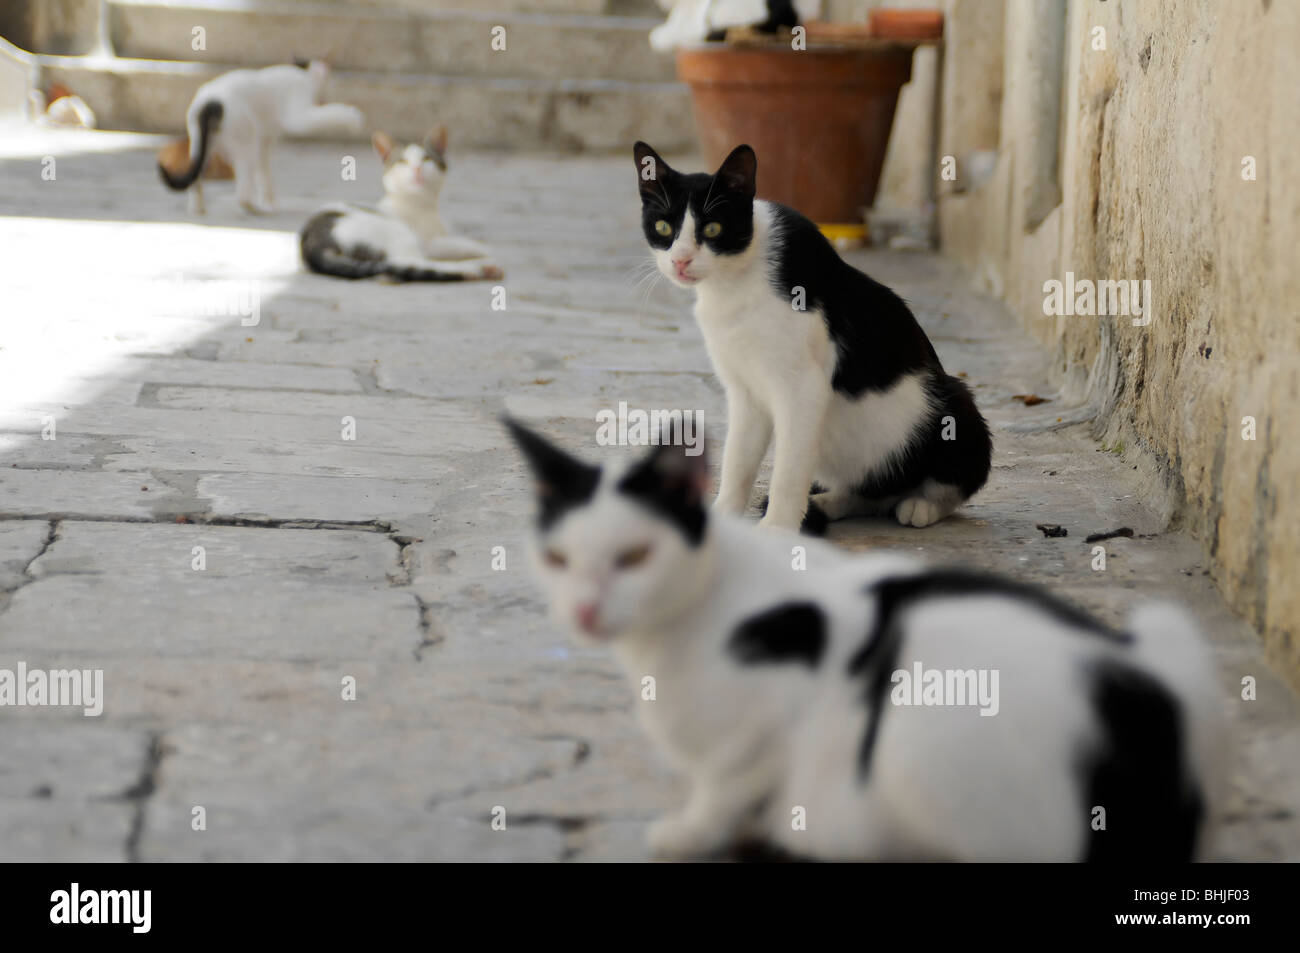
(648, 285)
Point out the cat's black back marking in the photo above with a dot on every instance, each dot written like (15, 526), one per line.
(877, 659)
(780, 13)
(876, 337)
(875, 662)
(794, 632)
(1138, 775)
(563, 482)
(952, 582)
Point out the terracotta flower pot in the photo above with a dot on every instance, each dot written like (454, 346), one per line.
(819, 119)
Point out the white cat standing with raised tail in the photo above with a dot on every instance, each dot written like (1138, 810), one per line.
(241, 115)
(816, 358)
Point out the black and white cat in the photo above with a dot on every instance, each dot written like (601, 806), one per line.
(241, 115)
(404, 238)
(814, 356)
(799, 702)
(695, 21)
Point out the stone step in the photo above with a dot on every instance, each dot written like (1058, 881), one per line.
(495, 113)
(381, 39)
(70, 27)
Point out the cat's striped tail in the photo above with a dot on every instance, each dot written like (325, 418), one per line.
(208, 119)
(331, 261)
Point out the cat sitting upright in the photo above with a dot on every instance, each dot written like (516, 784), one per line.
(241, 115)
(404, 239)
(814, 355)
(866, 707)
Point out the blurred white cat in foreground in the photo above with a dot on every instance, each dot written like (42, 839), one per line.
(782, 695)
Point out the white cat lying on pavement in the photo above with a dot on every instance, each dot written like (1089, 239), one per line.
(867, 707)
(242, 114)
(404, 238)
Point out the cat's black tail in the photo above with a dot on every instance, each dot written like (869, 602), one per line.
(331, 261)
(322, 254)
(421, 273)
(209, 119)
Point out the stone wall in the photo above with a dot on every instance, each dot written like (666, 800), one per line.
(16, 77)
(1119, 142)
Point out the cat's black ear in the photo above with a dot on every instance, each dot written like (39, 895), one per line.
(651, 171)
(672, 480)
(563, 481)
(739, 171)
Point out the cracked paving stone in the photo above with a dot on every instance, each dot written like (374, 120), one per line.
(21, 541)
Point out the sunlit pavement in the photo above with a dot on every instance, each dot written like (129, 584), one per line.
(265, 487)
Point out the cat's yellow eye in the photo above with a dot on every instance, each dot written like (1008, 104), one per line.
(712, 230)
(663, 228)
(555, 558)
(632, 557)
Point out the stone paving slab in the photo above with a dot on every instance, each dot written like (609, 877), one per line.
(375, 558)
(40, 831)
(119, 495)
(69, 758)
(135, 618)
(164, 553)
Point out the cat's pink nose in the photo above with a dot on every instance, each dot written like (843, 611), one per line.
(682, 264)
(587, 614)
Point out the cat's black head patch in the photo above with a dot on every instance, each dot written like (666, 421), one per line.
(563, 482)
(672, 483)
(721, 205)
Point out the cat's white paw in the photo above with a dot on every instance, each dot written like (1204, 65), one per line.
(918, 511)
(673, 837)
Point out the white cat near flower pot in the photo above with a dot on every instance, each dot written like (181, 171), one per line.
(696, 21)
